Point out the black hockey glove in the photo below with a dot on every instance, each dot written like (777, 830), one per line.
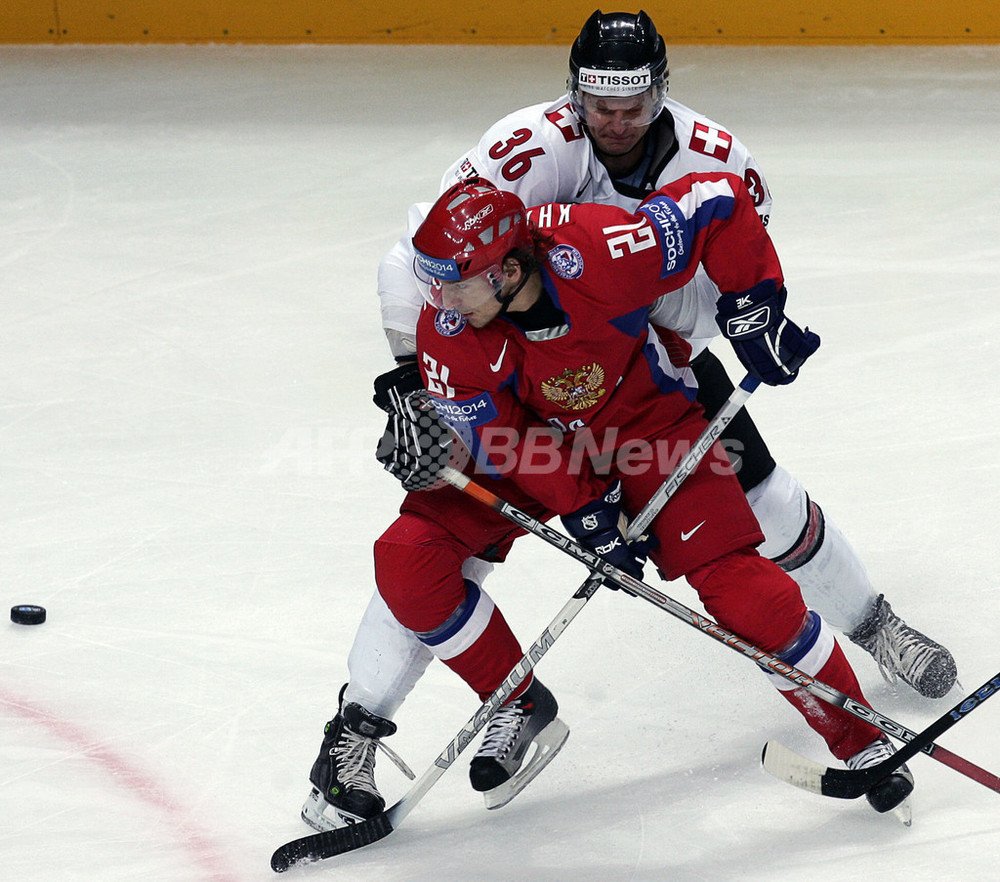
(416, 444)
(393, 386)
(598, 526)
(771, 347)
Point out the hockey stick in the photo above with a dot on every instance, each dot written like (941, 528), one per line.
(794, 769)
(329, 843)
(766, 661)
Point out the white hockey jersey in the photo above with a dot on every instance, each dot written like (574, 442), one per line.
(542, 154)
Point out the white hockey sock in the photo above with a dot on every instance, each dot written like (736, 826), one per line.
(386, 659)
(812, 550)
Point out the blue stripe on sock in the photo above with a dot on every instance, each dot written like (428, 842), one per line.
(804, 642)
(456, 621)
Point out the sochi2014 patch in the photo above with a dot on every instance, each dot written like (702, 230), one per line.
(449, 322)
(566, 261)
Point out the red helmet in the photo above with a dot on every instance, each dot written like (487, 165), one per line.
(470, 230)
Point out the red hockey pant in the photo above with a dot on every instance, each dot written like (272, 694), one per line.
(418, 563)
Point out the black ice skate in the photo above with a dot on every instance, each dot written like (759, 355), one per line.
(905, 653)
(499, 769)
(890, 794)
(343, 775)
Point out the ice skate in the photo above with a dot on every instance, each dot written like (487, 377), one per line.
(343, 776)
(501, 768)
(891, 793)
(905, 653)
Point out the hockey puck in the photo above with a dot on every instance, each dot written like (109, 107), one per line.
(25, 614)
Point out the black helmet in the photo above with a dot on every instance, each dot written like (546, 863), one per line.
(618, 55)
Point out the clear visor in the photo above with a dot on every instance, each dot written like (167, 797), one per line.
(450, 292)
(630, 110)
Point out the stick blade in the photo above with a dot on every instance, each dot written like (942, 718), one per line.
(330, 843)
(793, 768)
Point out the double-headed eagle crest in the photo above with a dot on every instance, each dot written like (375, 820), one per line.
(576, 388)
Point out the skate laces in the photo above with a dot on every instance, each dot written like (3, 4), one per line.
(898, 649)
(397, 760)
(873, 754)
(355, 757)
(503, 731)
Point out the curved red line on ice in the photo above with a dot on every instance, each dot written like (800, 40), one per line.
(150, 791)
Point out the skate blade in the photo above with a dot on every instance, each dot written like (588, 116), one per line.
(547, 744)
(323, 817)
(903, 812)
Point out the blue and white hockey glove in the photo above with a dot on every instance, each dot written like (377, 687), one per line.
(597, 525)
(771, 347)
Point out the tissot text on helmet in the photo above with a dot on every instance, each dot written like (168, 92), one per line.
(601, 82)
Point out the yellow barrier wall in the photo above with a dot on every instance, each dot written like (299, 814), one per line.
(490, 21)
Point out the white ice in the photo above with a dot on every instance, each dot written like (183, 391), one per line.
(188, 245)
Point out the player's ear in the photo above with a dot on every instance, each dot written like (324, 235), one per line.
(512, 269)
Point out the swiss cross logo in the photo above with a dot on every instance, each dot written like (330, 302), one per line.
(712, 142)
(564, 119)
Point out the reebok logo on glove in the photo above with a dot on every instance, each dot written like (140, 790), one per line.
(607, 548)
(749, 323)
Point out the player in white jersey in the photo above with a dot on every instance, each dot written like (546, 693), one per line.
(544, 154)
(614, 138)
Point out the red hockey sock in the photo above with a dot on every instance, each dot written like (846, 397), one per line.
(486, 663)
(844, 733)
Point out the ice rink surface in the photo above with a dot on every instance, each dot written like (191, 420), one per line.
(188, 246)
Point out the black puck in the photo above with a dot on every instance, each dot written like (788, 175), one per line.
(26, 614)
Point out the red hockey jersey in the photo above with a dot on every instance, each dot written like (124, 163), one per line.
(539, 407)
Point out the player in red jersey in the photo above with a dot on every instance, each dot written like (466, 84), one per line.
(536, 350)
(614, 138)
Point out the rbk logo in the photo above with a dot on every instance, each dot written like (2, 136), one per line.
(751, 323)
(609, 547)
(477, 218)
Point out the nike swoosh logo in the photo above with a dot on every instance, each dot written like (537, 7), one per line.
(496, 365)
(690, 533)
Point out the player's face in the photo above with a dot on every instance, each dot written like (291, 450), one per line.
(616, 124)
(474, 298)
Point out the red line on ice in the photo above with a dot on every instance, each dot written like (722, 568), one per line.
(150, 791)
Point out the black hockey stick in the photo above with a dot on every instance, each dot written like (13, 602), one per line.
(706, 625)
(329, 843)
(792, 768)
